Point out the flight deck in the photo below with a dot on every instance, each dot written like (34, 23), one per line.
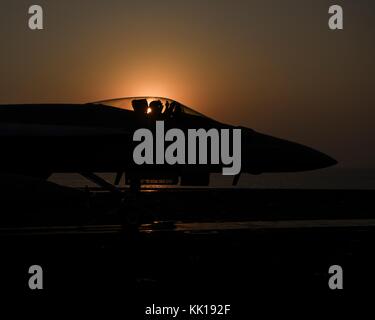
(161, 244)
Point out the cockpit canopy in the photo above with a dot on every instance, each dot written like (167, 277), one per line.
(150, 106)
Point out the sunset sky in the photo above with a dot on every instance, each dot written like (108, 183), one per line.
(272, 65)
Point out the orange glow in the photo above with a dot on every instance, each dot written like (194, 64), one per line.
(149, 110)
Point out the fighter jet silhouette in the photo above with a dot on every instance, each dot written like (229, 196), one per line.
(38, 140)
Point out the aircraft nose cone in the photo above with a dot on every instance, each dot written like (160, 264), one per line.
(309, 159)
(269, 154)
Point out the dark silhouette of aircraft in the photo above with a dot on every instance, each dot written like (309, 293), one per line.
(38, 140)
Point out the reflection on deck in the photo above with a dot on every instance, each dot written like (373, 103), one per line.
(190, 227)
(258, 225)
